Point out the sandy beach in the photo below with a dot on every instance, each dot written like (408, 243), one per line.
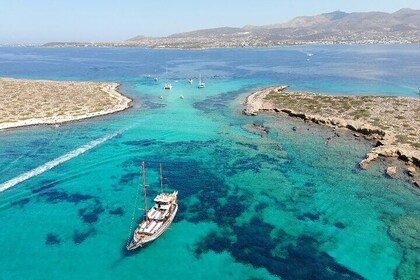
(392, 122)
(33, 102)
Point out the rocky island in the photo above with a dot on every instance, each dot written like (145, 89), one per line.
(392, 122)
(32, 102)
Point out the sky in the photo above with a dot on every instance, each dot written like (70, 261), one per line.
(41, 21)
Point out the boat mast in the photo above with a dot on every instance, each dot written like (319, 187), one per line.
(143, 166)
(161, 179)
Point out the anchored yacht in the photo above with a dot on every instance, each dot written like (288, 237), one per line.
(156, 219)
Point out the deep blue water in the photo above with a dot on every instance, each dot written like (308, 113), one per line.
(283, 205)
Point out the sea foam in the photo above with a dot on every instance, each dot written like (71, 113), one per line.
(55, 162)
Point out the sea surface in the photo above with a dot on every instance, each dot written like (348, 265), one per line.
(279, 206)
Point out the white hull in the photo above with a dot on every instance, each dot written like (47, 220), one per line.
(144, 240)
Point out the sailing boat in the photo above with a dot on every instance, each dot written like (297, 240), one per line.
(201, 84)
(156, 219)
(167, 86)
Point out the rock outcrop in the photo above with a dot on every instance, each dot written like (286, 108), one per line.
(363, 128)
(255, 102)
(400, 151)
(411, 171)
(258, 129)
(388, 141)
(391, 171)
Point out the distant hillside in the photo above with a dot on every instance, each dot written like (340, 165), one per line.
(336, 27)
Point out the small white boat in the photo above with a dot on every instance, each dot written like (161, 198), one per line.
(182, 97)
(167, 86)
(161, 97)
(190, 81)
(156, 79)
(201, 84)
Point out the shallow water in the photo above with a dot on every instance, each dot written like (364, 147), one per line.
(284, 205)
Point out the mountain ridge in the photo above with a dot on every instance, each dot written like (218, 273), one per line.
(337, 27)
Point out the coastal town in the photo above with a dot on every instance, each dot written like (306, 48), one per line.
(240, 42)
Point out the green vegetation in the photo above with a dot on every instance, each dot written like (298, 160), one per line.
(399, 116)
(360, 113)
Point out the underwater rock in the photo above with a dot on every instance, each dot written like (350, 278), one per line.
(255, 128)
(52, 239)
(118, 211)
(406, 231)
(21, 202)
(81, 236)
(261, 128)
(339, 225)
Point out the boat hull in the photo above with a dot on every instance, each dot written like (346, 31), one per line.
(148, 239)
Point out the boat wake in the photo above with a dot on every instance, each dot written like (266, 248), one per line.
(55, 162)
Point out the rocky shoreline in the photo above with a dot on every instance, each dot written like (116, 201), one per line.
(36, 102)
(388, 144)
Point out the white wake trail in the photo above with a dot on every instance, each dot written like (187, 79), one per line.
(51, 164)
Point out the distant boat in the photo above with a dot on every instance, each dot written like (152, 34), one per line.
(156, 79)
(182, 97)
(161, 97)
(201, 84)
(190, 81)
(167, 86)
(156, 219)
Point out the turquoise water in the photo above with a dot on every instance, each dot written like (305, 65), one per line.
(284, 205)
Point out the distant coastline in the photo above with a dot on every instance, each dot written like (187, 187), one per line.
(36, 102)
(393, 122)
(334, 28)
(199, 46)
